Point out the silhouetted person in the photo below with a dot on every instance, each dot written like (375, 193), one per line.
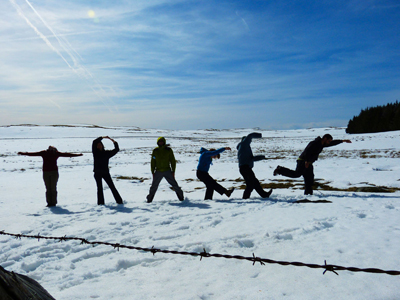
(163, 165)
(205, 160)
(101, 170)
(50, 170)
(307, 158)
(246, 164)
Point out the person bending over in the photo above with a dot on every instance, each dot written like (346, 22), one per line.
(307, 158)
(246, 163)
(205, 160)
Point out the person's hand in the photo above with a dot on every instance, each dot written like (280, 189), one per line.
(80, 154)
(107, 137)
(21, 153)
(307, 164)
(228, 148)
(347, 141)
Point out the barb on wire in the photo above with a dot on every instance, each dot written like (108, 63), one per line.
(154, 250)
(257, 259)
(329, 268)
(204, 253)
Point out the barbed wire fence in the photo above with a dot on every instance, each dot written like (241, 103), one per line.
(254, 259)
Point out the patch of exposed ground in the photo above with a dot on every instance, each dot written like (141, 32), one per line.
(319, 184)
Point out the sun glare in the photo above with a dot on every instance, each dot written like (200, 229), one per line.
(91, 14)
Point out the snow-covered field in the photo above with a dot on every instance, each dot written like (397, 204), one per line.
(357, 229)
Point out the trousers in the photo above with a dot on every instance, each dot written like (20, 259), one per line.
(50, 181)
(252, 183)
(99, 176)
(169, 176)
(211, 185)
(301, 170)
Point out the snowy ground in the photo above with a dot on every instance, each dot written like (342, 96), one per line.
(357, 229)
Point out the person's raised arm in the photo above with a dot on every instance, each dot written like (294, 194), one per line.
(259, 157)
(31, 153)
(337, 142)
(251, 136)
(116, 146)
(66, 154)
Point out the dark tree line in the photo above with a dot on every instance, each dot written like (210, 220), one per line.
(376, 119)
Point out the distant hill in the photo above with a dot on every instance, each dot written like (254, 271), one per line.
(376, 119)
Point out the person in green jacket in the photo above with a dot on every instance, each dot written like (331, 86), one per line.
(163, 165)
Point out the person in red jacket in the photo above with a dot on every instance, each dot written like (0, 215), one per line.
(50, 170)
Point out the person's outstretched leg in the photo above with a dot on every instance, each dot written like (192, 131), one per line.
(259, 189)
(211, 185)
(208, 181)
(291, 173)
(109, 181)
(252, 183)
(157, 177)
(169, 176)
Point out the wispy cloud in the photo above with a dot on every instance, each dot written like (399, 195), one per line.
(43, 37)
(185, 64)
(65, 47)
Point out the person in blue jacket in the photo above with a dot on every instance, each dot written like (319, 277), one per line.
(246, 163)
(205, 160)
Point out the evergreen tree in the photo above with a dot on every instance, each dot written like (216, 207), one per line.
(376, 119)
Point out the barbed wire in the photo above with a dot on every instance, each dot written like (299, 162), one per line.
(204, 253)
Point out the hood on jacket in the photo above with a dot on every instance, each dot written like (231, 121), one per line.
(241, 141)
(202, 150)
(161, 138)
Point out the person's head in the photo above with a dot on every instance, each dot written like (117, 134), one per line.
(100, 146)
(215, 156)
(327, 139)
(52, 149)
(161, 141)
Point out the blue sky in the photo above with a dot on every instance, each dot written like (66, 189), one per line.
(179, 64)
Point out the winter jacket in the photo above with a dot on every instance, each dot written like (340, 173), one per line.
(101, 157)
(205, 159)
(50, 158)
(245, 155)
(314, 148)
(162, 158)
